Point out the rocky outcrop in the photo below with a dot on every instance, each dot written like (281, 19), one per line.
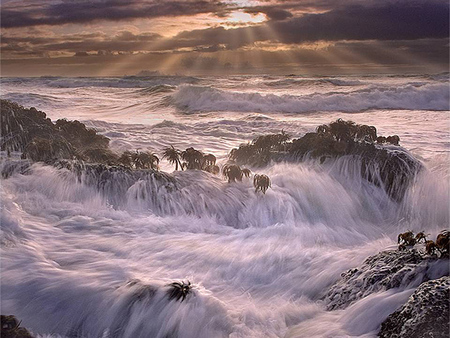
(39, 139)
(382, 161)
(386, 270)
(425, 315)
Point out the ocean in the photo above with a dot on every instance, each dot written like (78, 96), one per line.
(259, 263)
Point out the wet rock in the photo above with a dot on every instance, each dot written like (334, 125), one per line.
(383, 162)
(19, 125)
(10, 328)
(39, 139)
(79, 136)
(48, 150)
(386, 270)
(261, 150)
(425, 314)
(11, 167)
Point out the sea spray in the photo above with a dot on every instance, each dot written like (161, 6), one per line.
(72, 242)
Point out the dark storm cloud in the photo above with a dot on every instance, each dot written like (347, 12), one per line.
(393, 22)
(387, 22)
(382, 30)
(112, 10)
(272, 13)
(123, 41)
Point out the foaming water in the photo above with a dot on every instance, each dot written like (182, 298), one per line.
(426, 97)
(90, 253)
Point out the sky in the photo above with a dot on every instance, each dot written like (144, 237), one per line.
(209, 37)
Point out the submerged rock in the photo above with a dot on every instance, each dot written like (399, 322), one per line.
(425, 314)
(386, 270)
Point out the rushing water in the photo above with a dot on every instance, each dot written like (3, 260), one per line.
(259, 263)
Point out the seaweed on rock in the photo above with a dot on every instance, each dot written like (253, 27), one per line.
(387, 166)
(19, 125)
(179, 290)
(261, 150)
(39, 139)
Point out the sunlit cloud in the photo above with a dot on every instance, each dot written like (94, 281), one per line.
(226, 36)
(240, 18)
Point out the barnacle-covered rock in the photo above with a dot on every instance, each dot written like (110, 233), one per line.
(386, 270)
(425, 314)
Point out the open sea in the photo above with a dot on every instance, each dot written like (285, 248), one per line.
(260, 264)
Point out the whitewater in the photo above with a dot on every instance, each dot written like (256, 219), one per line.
(81, 259)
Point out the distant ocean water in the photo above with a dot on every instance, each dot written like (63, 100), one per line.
(259, 263)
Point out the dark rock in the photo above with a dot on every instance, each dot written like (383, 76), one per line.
(12, 167)
(19, 125)
(425, 314)
(386, 270)
(79, 136)
(48, 150)
(10, 328)
(32, 133)
(387, 166)
(261, 150)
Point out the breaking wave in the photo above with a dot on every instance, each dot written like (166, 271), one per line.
(312, 82)
(426, 97)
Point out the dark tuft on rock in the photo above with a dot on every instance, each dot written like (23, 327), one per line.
(10, 328)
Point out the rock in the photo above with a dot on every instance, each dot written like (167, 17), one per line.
(39, 139)
(388, 166)
(386, 270)
(426, 313)
(10, 328)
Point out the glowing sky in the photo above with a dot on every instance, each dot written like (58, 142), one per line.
(118, 37)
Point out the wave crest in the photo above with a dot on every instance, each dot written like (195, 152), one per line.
(426, 97)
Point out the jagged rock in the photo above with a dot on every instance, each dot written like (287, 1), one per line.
(386, 270)
(19, 125)
(10, 328)
(39, 139)
(425, 314)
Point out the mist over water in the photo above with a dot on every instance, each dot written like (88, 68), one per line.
(259, 263)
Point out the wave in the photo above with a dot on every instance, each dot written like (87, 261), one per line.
(195, 193)
(108, 82)
(161, 88)
(35, 100)
(426, 97)
(87, 236)
(293, 82)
